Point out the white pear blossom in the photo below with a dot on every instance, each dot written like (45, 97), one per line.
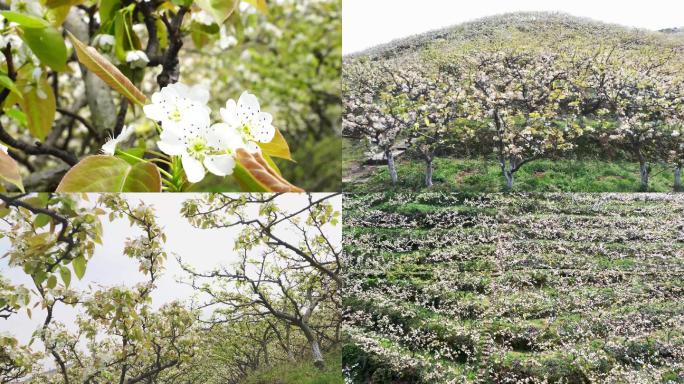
(178, 107)
(246, 118)
(3, 149)
(137, 59)
(187, 131)
(202, 17)
(205, 147)
(109, 148)
(225, 40)
(31, 7)
(104, 42)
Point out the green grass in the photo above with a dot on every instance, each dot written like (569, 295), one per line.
(302, 372)
(483, 176)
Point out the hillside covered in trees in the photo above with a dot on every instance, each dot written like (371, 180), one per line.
(513, 89)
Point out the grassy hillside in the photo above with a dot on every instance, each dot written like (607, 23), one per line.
(558, 288)
(302, 372)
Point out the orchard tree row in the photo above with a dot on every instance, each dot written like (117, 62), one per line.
(521, 99)
(273, 301)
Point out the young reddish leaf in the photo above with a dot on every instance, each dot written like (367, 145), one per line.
(95, 62)
(9, 170)
(262, 173)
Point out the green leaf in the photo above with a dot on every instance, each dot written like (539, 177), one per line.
(66, 275)
(48, 45)
(38, 104)
(9, 171)
(41, 220)
(96, 63)
(79, 265)
(51, 282)
(277, 147)
(102, 173)
(108, 9)
(9, 84)
(220, 10)
(25, 20)
(135, 152)
(17, 115)
(124, 37)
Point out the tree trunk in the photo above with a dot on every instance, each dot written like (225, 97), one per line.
(428, 172)
(508, 174)
(678, 178)
(643, 171)
(317, 355)
(390, 165)
(315, 347)
(509, 179)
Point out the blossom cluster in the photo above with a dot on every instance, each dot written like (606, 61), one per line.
(186, 130)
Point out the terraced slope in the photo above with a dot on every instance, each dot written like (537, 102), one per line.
(559, 288)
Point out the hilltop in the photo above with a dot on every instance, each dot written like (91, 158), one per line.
(560, 26)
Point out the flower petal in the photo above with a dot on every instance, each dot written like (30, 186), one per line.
(171, 143)
(220, 165)
(261, 127)
(198, 93)
(126, 133)
(229, 113)
(194, 169)
(109, 147)
(155, 111)
(171, 149)
(253, 147)
(223, 136)
(247, 107)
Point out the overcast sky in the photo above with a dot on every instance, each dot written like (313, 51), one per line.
(202, 248)
(368, 23)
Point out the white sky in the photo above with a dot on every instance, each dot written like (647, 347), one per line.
(366, 23)
(201, 248)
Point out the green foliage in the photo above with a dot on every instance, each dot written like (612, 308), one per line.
(320, 157)
(484, 176)
(48, 45)
(114, 174)
(302, 372)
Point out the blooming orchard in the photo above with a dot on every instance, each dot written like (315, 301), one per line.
(515, 88)
(501, 288)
